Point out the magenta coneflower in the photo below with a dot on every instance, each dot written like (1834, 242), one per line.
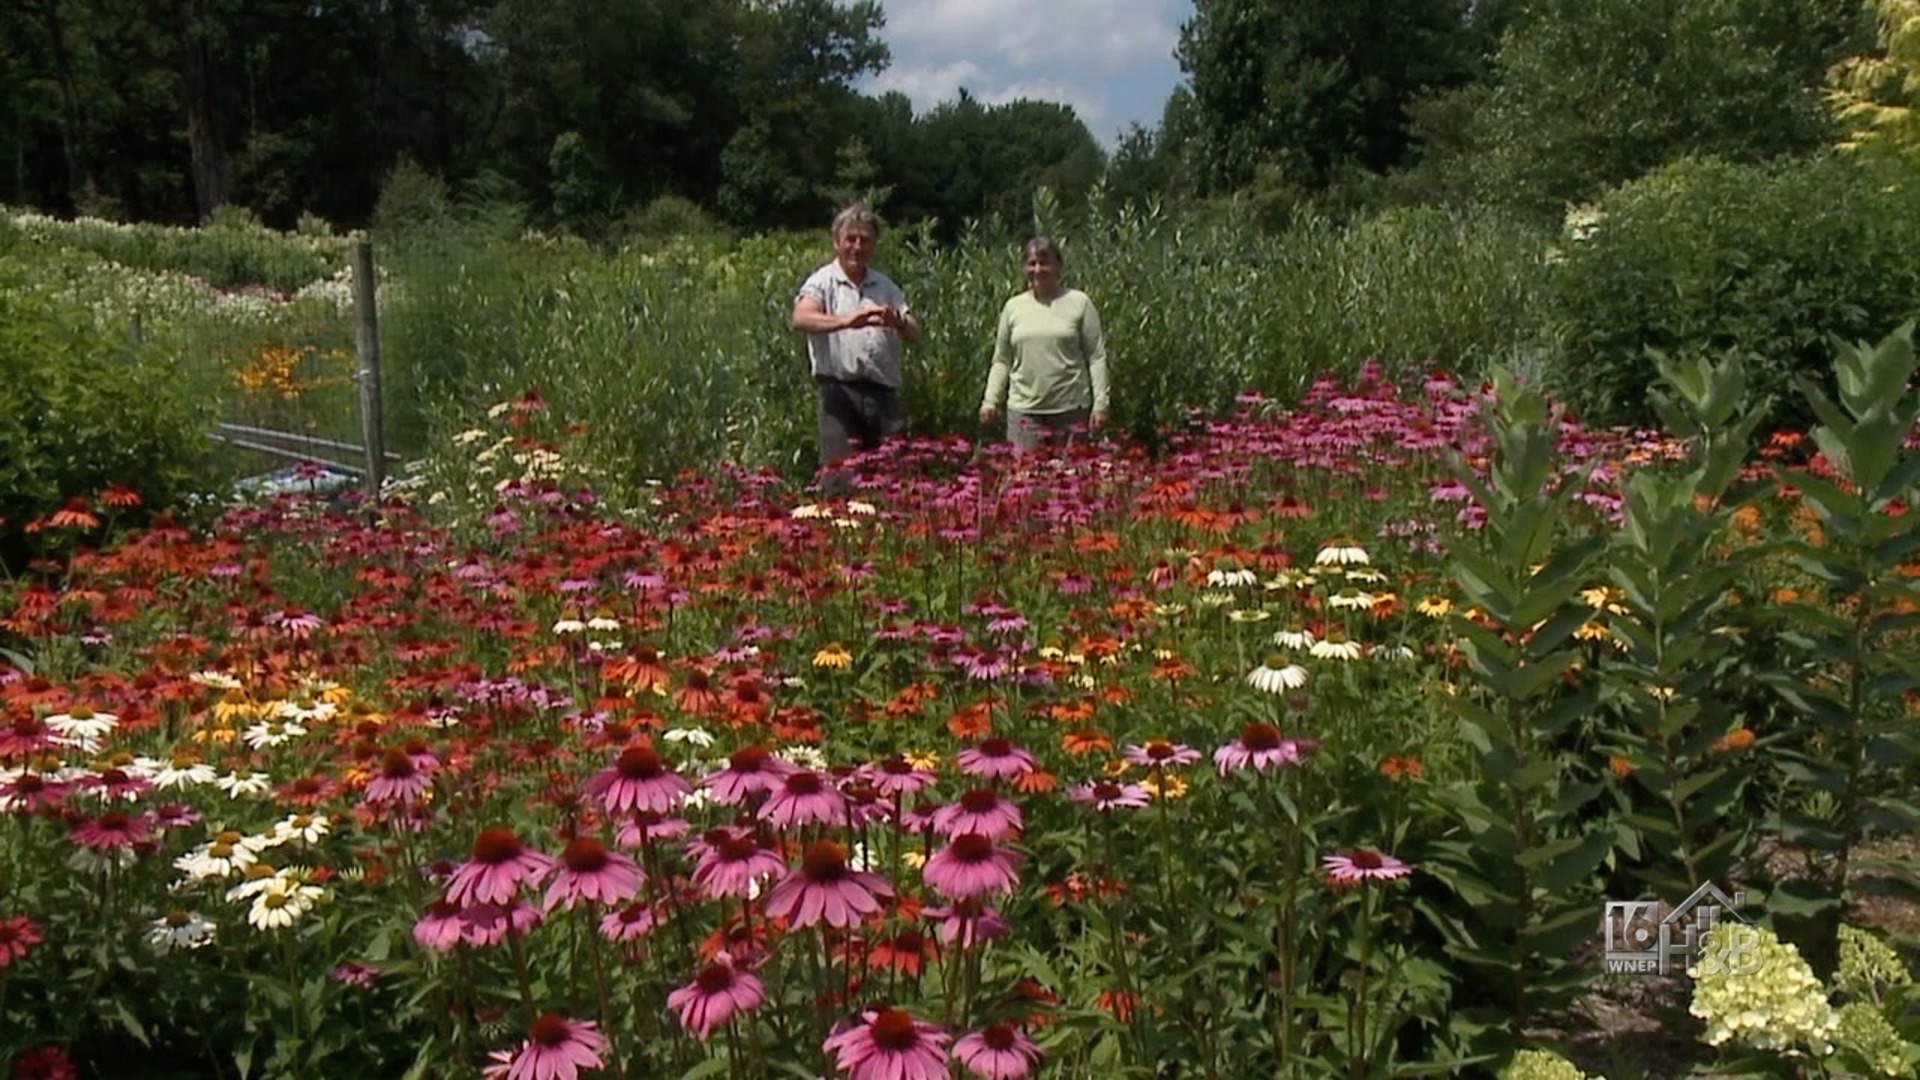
(970, 866)
(588, 871)
(399, 780)
(115, 783)
(31, 793)
(630, 923)
(440, 928)
(1363, 865)
(713, 996)
(896, 776)
(18, 936)
(804, 798)
(557, 1050)
(1161, 753)
(825, 888)
(639, 780)
(1106, 795)
(647, 826)
(497, 870)
(751, 770)
(1259, 747)
(967, 923)
(1000, 1052)
(982, 811)
(112, 830)
(888, 1044)
(995, 759)
(731, 862)
(486, 925)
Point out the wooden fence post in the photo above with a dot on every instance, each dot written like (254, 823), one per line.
(366, 340)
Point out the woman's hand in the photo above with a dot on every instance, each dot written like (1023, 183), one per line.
(988, 414)
(1097, 420)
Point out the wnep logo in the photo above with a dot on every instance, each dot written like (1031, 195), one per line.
(1648, 937)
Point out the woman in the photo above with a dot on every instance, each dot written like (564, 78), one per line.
(1049, 359)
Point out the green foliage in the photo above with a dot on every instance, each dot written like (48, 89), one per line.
(1705, 257)
(85, 408)
(235, 250)
(1587, 94)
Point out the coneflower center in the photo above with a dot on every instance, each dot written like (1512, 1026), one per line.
(748, 759)
(1260, 737)
(996, 747)
(804, 783)
(496, 844)
(825, 861)
(584, 855)
(972, 848)
(1106, 789)
(551, 1030)
(714, 978)
(1367, 860)
(639, 763)
(894, 1030)
(979, 801)
(1159, 751)
(396, 765)
(736, 848)
(114, 820)
(998, 1036)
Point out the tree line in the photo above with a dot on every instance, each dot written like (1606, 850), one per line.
(595, 114)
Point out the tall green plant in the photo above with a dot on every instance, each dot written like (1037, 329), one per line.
(1527, 844)
(1859, 746)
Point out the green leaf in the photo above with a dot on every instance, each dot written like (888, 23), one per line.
(1800, 898)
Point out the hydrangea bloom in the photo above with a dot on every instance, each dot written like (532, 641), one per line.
(1755, 990)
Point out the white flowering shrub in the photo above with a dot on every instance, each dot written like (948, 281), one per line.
(1755, 991)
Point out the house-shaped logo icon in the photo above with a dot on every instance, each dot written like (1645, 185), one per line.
(1641, 938)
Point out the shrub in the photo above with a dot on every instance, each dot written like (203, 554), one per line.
(85, 409)
(1705, 257)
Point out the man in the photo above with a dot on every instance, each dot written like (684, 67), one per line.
(856, 320)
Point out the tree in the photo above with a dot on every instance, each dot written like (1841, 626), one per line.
(1876, 94)
(1309, 87)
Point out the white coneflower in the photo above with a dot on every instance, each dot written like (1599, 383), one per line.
(810, 510)
(1336, 650)
(1350, 600)
(1248, 615)
(1341, 552)
(81, 728)
(245, 785)
(692, 736)
(305, 710)
(1214, 599)
(1393, 653)
(1231, 577)
(1169, 611)
(229, 853)
(219, 680)
(603, 624)
(1366, 575)
(865, 509)
(306, 828)
(280, 907)
(180, 931)
(1276, 675)
(265, 736)
(568, 625)
(1294, 638)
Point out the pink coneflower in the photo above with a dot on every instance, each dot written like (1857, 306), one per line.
(647, 826)
(982, 811)
(24, 737)
(498, 868)
(173, 816)
(400, 779)
(967, 923)
(1106, 795)
(1000, 1052)
(486, 925)
(1361, 866)
(825, 888)
(31, 793)
(995, 759)
(115, 783)
(982, 665)
(804, 798)
(111, 831)
(18, 936)
(751, 770)
(440, 928)
(888, 1044)
(630, 923)
(1161, 754)
(638, 781)
(896, 776)
(714, 995)
(1259, 747)
(557, 1050)
(588, 871)
(355, 973)
(970, 866)
(731, 861)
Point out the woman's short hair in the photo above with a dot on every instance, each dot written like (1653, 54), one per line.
(1044, 247)
(859, 215)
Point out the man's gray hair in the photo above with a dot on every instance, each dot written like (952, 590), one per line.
(1044, 247)
(859, 215)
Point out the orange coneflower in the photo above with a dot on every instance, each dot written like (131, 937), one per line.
(1085, 741)
(1397, 766)
(120, 496)
(1068, 712)
(971, 721)
(73, 515)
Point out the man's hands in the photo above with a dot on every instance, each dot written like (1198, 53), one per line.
(873, 314)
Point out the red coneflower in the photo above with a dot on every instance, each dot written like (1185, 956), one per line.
(18, 936)
(557, 1049)
(826, 889)
(714, 996)
(588, 871)
(888, 1044)
(639, 781)
(111, 831)
(498, 868)
(905, 952)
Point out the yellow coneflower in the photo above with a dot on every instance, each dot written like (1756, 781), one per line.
(1434, 607)
(1166, 785)
(1592, 630)
(921, 760)
(234, 705)
(833, 655)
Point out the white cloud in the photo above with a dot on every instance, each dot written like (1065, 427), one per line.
(1109, 59)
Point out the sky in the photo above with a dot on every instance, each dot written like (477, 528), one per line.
(1112, 60)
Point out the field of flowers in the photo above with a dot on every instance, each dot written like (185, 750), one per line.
(1311, 748)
